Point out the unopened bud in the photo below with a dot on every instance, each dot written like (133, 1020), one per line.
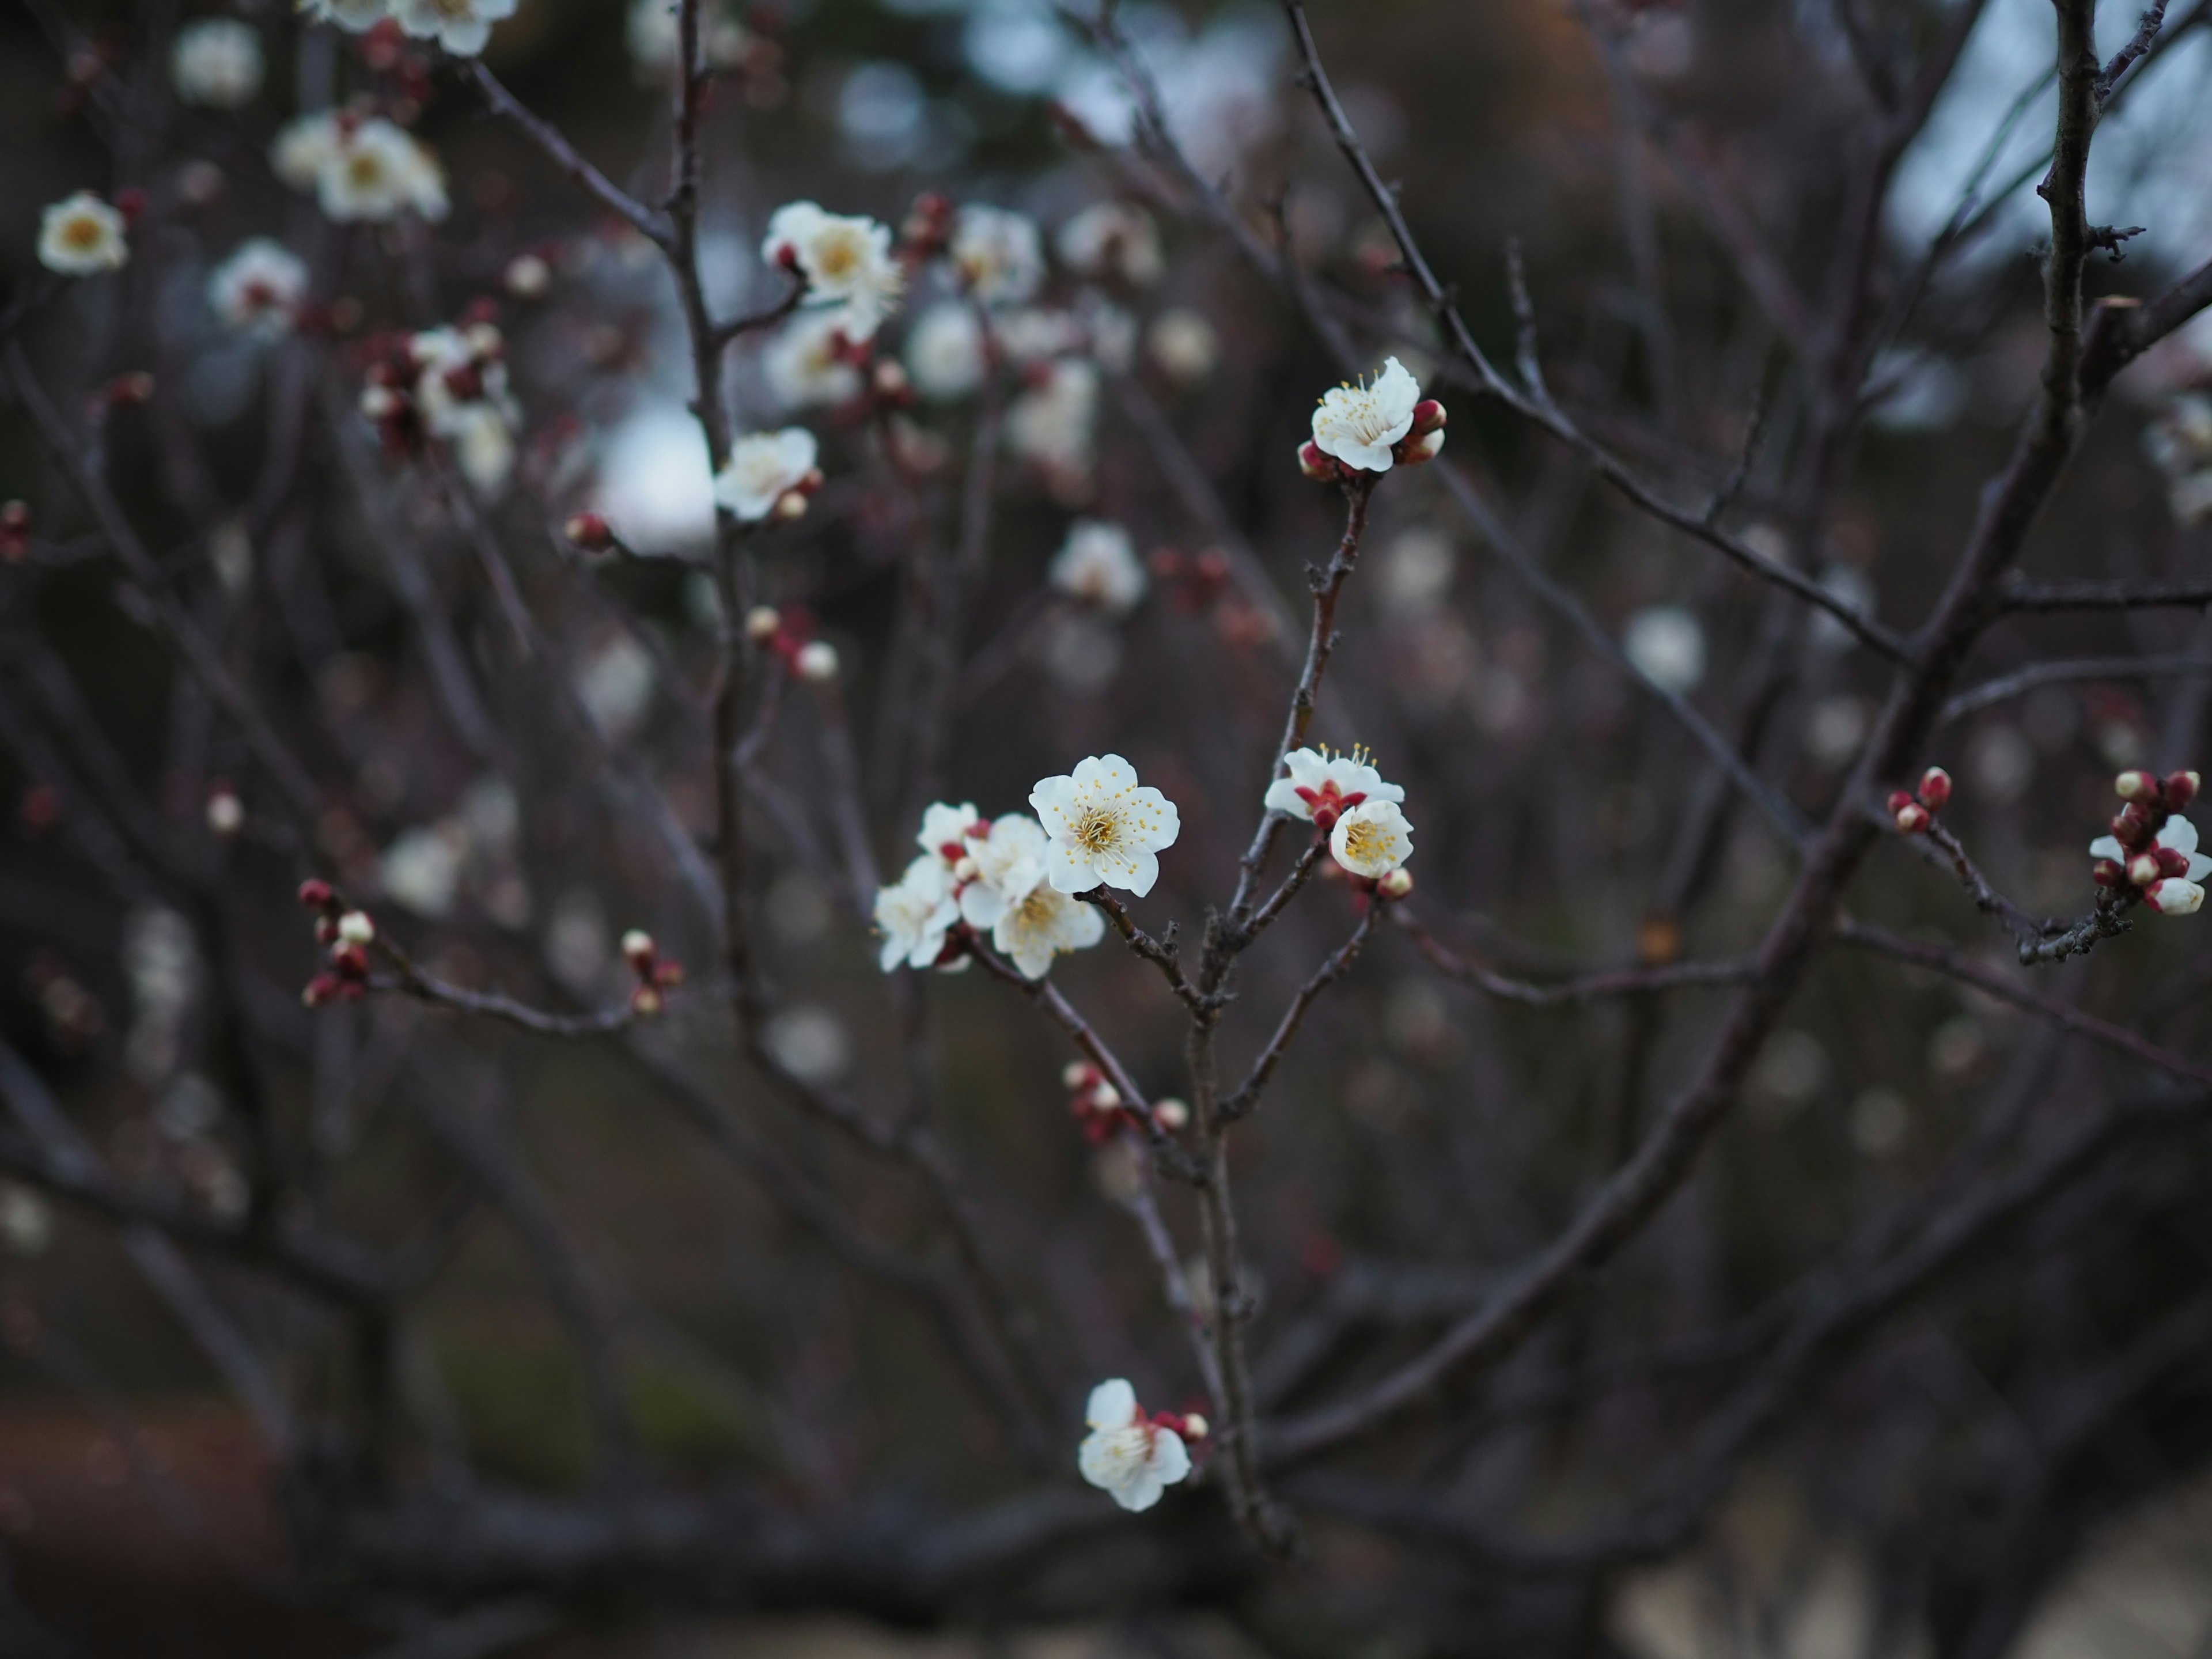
(315, 893)
(2132, 827)
(891, 378)
(1170, 1114)
(1428, 416)
(355, 928)
(380, 403)
(2108, 872)
(126, 390)
(762, 622)
(1912, 818)
(1413, 452)
(1935, 788)
(816, 661)
(2136, 785)
(1078, 1075)
(319, 990)
(2176, 897)
(2142, 869)
(1396, 884)
(1315, 465)
(590, 532)
(791, 505)
(966, 870)
(637, 945)
(1194, 1426)
(15, 531)
(1105, 1097)
(2181, 788)
(225, 813)
(646, 1001)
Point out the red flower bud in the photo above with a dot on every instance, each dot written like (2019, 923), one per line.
(315, 893)
(1935, 788)
(2108, 872)
(2132, 828)
(589, 531)
(1428, 416)
(1912, 818)
(2136, 785)
(2181, 788)
(1315, 465)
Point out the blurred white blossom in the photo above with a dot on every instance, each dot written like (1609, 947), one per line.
(217, 62)
(1098, 566)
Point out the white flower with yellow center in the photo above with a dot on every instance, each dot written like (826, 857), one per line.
(1132, 1458)
(1322, 786)
(806, 364)
(1358, 424)
(301, 146)
(1044, 923)
(377, 171)
(997, 254)
(258, 289)
(1007, 860)
(1371, 839)
(217, 62)
(355, 16)
(1099, 567)
(461, 27)
(846, 260)
(915, 914)
(81, 234)
(1106, 829)
(762, 469)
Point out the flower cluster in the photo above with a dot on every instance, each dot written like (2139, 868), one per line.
(81, 234)
(1131, 1455)
(1916, 809)
(1343, 798)
(260, 289)
(2179, 444)
(449, 383)
(988, 878)
(2152, 851)
(768, 472)
(348, 934)
(656, 974)
(844, 260)
(360, 166)
(1369, 427)
(461, 27)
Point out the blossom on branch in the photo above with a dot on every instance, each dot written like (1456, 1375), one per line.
(257, 290)
(765, 472)
(1098, 567)
(1322, 786)
(915, 914)
(217, 62)
(1371, 839)
(81, 234)
(1369, 426)
(997, 254)
(1105, 828)
(365, 170)
(1131, 1457)
(1005, 863)
(844, 260)
(808, 363)
(1044, 923)
(461, 27)
(945, 351)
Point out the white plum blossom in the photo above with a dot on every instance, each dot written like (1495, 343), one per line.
(997, 254)
(1358, 424)
(1182, 345)
(1044, 923)
(1322, 786)
(300, 148)
(1371, 839)
(945, 352)
(257, 290)
(1037, 334)
(945, 828)
(1667, 645)
(461, 394)
(1126, 1454)
(422, 870)
(762, 469)
(806, 363)
(1099, 567)
(1009, 858)
(461, 27)
(2173, 896)
(1112, 239)
(2179, 444)
(1105, 828)
(355, 16)
(81, 234)
(217, 62)
(915, 914)
(376, 171)
(846, 260)
(1052, 426)
(655, 40)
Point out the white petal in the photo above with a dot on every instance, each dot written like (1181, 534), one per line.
(1088, 926)
(981, 904)
(1068, 869)
(2108, 846)
(1283, 797)
(1142, 869)
(1112, 1403)
(1170, 1457)
(1139, 1494)
(2199, 867)
(2179, 834)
